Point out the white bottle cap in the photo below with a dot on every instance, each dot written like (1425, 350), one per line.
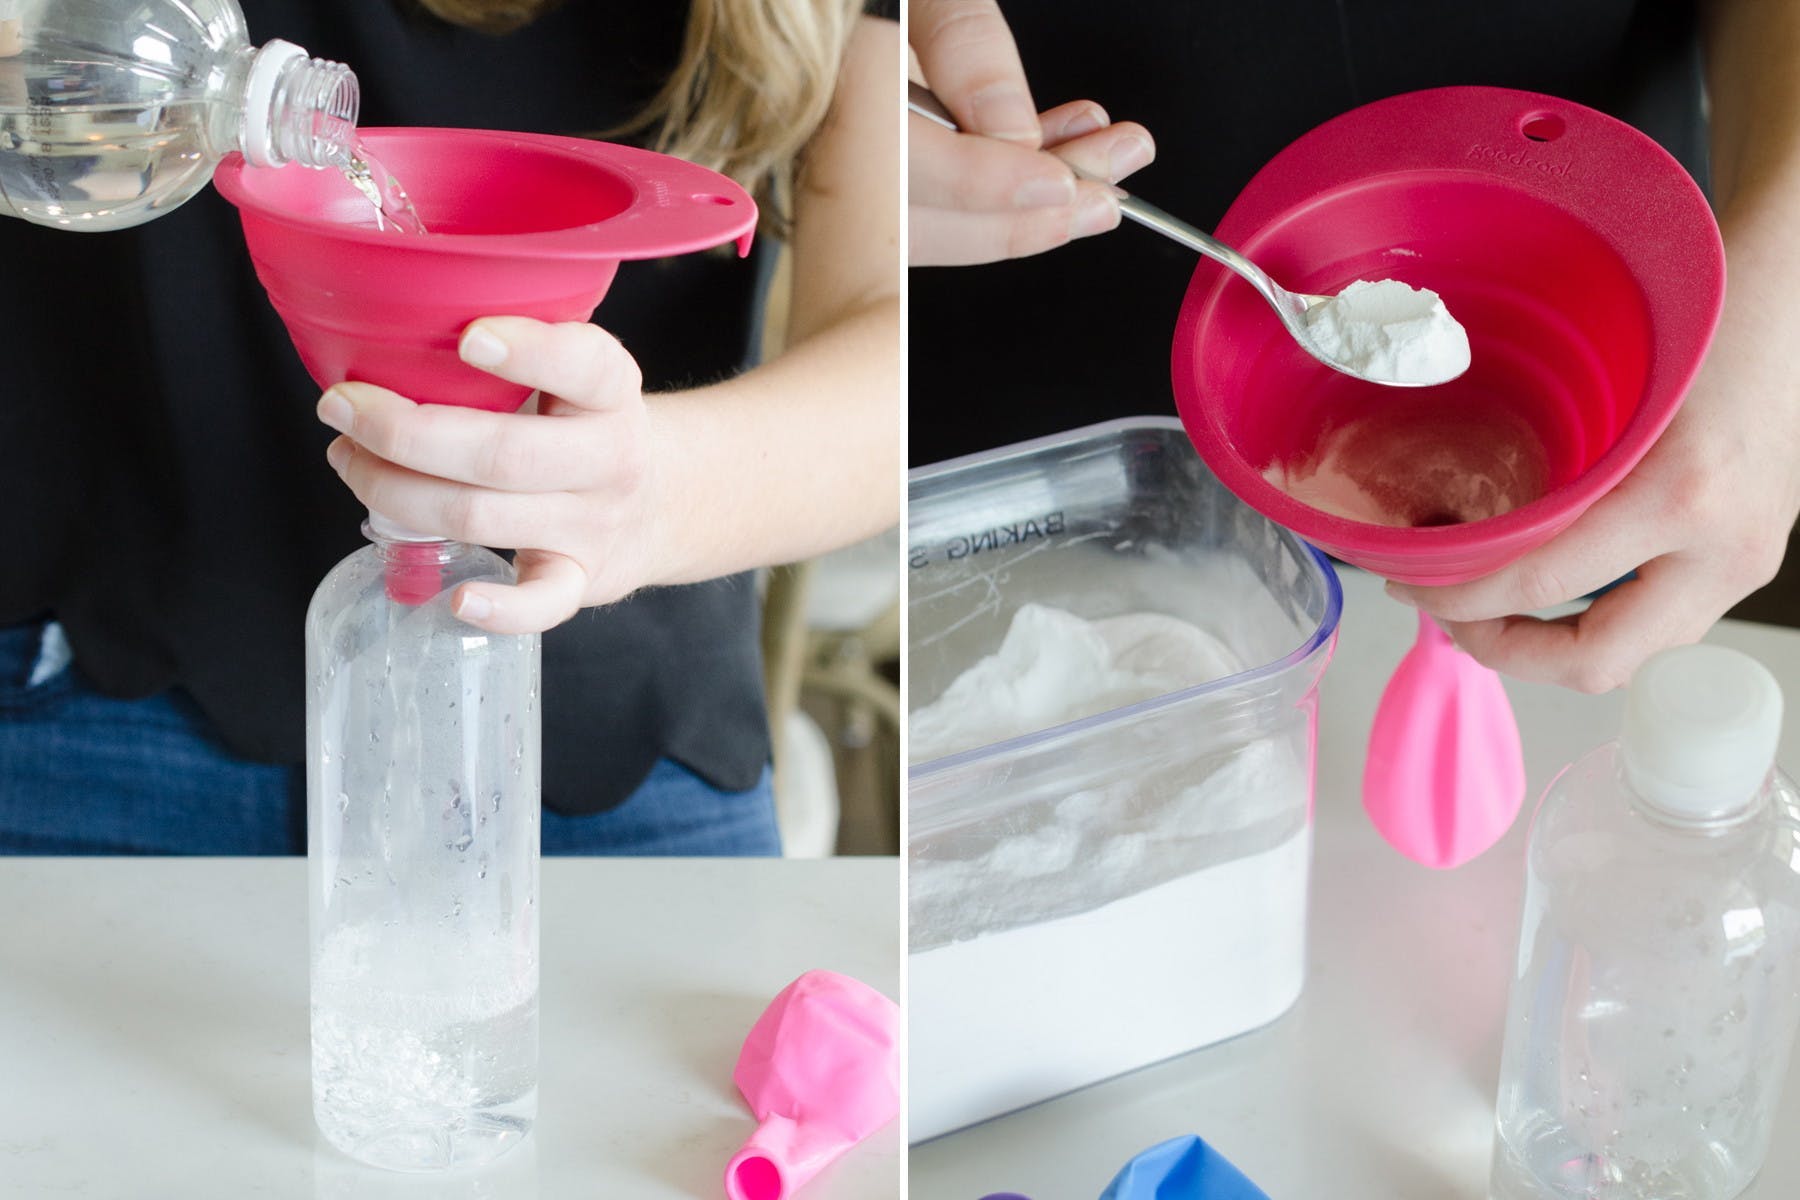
(393, 531)
(265, 72)
(1701, 727)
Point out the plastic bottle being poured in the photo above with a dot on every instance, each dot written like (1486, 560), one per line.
(114, 112)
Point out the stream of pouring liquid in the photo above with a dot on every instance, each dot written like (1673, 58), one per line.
(393, 207)
(417, 574)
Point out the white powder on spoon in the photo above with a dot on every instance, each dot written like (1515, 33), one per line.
(1390, 332)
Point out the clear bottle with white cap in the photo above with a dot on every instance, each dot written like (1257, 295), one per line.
(113, 112)
(1658, 984)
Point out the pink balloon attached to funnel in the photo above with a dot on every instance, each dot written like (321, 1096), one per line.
(821, 1071)
(520, 224)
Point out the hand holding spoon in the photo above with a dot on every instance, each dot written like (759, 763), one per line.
(1302, 314)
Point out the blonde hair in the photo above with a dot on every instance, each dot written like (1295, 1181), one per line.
(754, 83)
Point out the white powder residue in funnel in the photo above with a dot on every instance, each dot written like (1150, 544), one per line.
(1054, 667)
(1391, 332)
(1322, 483)
(1418, 463)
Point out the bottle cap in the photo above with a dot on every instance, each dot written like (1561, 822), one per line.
(393, 531)
(1701, 727)
(265, 72)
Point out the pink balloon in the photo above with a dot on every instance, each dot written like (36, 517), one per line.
(821, 1071)
(1445, 774)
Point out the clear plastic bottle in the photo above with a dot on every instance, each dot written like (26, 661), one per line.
(113, 112)
(1658, 983)
(422, 779)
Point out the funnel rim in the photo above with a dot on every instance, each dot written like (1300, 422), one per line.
(659, 184)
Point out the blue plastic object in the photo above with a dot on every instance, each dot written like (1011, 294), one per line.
(1183, 1168)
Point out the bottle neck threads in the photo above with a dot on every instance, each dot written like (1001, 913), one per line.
(298, 109)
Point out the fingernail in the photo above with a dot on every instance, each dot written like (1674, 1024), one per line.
(1046, 192)
(1098, 213)
(474, 607)
(336, 411)
(1129, 154)
(1403, 594)
(338, 455)
(1003, 111)
(1088, 120)
(482, 349)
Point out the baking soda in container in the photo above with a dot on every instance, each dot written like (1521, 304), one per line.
(1114, 668)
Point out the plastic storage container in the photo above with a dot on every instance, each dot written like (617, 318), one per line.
(1658, 984)
(1117, 889)
(422, 822)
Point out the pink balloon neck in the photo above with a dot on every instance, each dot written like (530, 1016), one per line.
(775, 1163)
(1432, 635)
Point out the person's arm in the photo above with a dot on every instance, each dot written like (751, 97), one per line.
(1705, 517)
(605, 490)
(1003, 188)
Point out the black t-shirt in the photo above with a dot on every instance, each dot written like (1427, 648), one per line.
(1008, 351)
(163, 475)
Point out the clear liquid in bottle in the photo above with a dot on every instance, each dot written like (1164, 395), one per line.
(422, 775)
(76, 151)
(1657, 991)
(114, 112)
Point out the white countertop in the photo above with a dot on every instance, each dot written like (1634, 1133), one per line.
(153, 1027)
(1379, 1084)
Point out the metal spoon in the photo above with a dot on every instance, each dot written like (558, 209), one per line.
(1291, 307)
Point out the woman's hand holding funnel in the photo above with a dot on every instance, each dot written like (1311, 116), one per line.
(571, 486)
(1704, 518)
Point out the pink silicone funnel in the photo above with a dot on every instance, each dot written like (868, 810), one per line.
(1582, 259)
(521, 225)
(821, 1071)
(1587, 269)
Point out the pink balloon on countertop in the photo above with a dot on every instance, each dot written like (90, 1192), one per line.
(821, 1072)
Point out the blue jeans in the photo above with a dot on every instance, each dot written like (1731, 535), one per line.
(84, 773)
